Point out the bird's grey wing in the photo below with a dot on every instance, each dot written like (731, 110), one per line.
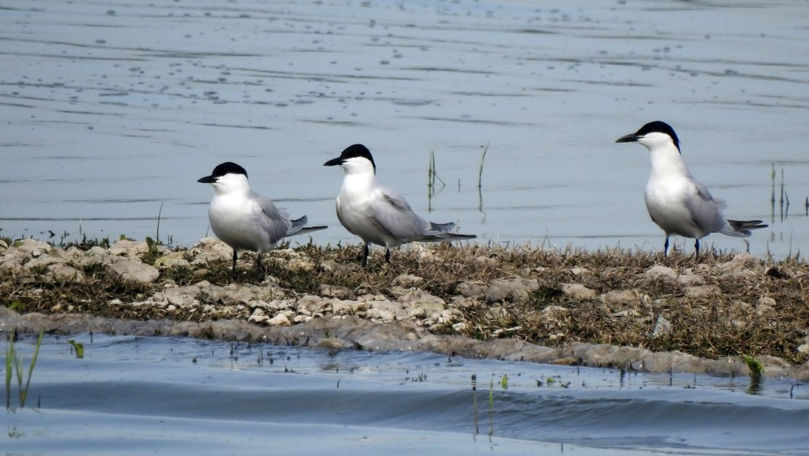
(275, 220)
(704, 209)
(392, 214)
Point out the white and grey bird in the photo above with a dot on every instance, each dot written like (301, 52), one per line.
(377, 214)
(678, 203)
(242, 218)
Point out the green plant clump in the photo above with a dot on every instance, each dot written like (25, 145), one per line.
(14, 363)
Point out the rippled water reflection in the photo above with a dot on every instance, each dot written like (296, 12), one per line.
(112, 110)
(130, 395)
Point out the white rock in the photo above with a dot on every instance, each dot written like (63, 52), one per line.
(741, 263)
(702, 291)
(688, 279)
(132, 271)
(279, 320)
(662, 327)
(172, 260)
(64, 273)
(660, 272)
(128, 248)
(621, 297)
(258, 316)
(33, 248)
(312, 305)
(579, 270)
(407, 280)
(578, 292)
(421, 300)
(515, 289)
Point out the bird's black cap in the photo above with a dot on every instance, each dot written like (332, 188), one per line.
(355, 150)
(656, 126)
(222, 169)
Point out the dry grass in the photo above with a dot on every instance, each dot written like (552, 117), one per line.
(735, 321)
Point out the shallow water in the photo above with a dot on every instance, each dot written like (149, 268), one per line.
(134, 394)
(111, 110)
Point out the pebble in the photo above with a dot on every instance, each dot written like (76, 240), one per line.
(578, 292)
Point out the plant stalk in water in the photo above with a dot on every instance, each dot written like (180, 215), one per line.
(15, 362)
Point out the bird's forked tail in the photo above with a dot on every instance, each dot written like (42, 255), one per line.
(741, 228)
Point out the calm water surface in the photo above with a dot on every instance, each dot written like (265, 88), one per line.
(131, 395)
(111, 110)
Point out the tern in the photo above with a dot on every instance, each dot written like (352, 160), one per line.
(376, 213)
(678, 203)
(242, 218)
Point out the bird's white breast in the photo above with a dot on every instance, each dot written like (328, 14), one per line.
(235, 220)
(354, 209)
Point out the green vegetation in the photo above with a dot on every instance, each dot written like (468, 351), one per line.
(14, 364)
(77, 347)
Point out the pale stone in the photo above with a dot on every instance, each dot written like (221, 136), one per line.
(172, 260)
(689, 279)
(64, 273)
(471, 289)
(32, 247)
(128, 248)
(741, 262)
(662, 327)
(660, 272)
(766, 301)
(258, 316)
(298, 265)
(332, 343)
(132, 271)
(422, 300)
(555, 314)
(41, 261)
(515, 289)
(279, 320)
(621, 297)
(702, 291)
(384, 311)
(578, 292)
(312, 305)
(334, 291)
(407, 280)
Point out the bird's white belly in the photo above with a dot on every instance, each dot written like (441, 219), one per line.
(238, 226)
(353, 213)
(666, 203)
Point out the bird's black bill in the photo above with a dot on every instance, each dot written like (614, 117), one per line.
(627, 138)
(334, 162)
(207, 180)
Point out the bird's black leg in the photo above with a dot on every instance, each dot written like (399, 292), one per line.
(696, 249)
(666, 246)
(233, 270)
(387, 255)
(258, 261)
(365, 255)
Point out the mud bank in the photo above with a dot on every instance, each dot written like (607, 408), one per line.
(623, 309)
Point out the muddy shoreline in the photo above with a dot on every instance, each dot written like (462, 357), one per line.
(616, 308)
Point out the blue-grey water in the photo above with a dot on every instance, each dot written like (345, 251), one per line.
(111, 111)
(136, 395)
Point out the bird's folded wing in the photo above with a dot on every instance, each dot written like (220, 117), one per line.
(704, 209)
(392, 214)
(276, 221)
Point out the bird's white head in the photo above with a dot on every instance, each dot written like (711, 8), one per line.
(226, 178)
(653, 135)
(355, 159)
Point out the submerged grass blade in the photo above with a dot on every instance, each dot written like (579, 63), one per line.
(9, 367)
(24, 392)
